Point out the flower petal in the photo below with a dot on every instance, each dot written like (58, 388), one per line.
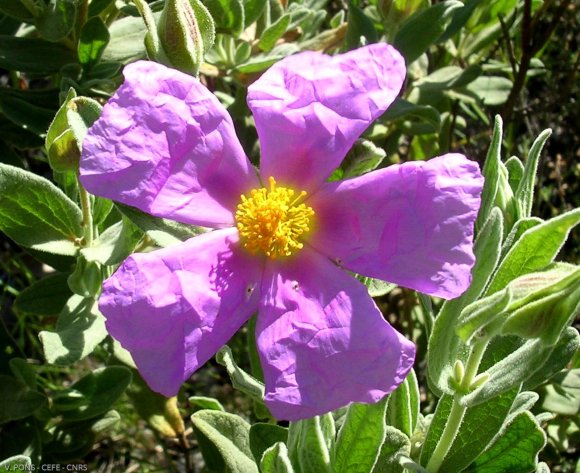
(410, 224)
(310, 108)
(322, 341)
(165, 145)
(175, 307)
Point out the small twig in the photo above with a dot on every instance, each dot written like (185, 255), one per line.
(525, 62)
(188, 454)
(508, 44)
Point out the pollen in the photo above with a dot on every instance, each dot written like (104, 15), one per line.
(273, 220)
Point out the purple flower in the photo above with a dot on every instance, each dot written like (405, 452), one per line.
(165, 145)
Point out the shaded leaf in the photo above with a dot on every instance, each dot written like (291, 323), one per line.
(33, 55)
(80, 328)
(18, 400)
(46, 296)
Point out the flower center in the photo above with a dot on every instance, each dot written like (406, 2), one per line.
(273, 220)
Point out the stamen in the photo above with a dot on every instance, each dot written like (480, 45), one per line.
(273, 221)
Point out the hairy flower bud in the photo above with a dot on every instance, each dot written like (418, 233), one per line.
(185, 30)
(505, 199)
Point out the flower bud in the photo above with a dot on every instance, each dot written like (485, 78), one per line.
(185, 31)
(86, 279)
(505, 199)
(551, 298)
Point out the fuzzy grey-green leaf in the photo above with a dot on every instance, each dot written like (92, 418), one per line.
(36, 214)
(360, 438)
(80, 328)
(229, 435)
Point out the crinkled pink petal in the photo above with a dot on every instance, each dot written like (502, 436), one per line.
(410, 224)
(323, 342)
(175, 307)
(310, 108)
(165, 145)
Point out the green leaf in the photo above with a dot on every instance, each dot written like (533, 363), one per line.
(402, 111)
(33, 55)
(36, 214)
(80, 328)
(515, 172)
(396, 444)
(240, 379)
(273, 33)
(18, 400)
(203, 402)
(309, 444)
(57, 20)
(252, 10)
(377, 287)
(24, 372)
(94, 394)
(159, 411)
(561, 355)
(46, 296)
(265, 436)
(359, 26)
(97, 6)
(126, 43)
(17, 462)
(524, 401)
(562, 395)
(92, 42)
(460, 17)
(403, 410)
(535, 249)
(448, 78)
(519, 228)
(547, 301)
(480, 425)
(490, 90)
(363, 157)
(228, 15)
(491, 173)
(276, 460)
(423, 28)
(229, 435)
(525, 190)
(72, 440)
(482, 313)
(444, 345)
(262, 61)
(162, 231)
(516, 448)
(15, 9)
(360, 438)
(25, 114)
(114, 244)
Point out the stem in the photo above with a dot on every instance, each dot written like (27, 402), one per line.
(87, 214)
(457, 410)
(448, 436)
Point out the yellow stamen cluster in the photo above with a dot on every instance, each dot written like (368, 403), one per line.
(273, 221)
